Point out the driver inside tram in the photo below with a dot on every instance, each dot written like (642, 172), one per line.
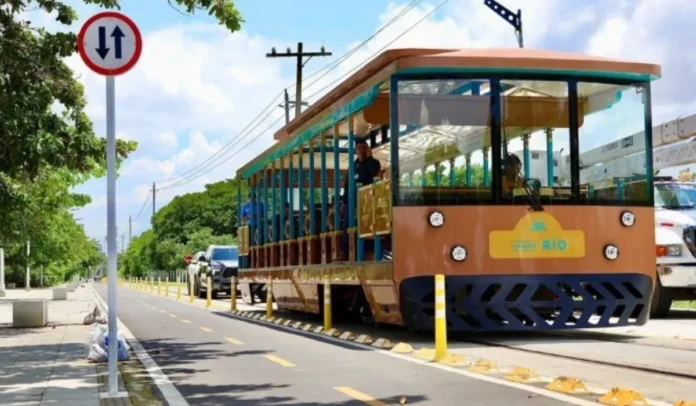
(511, 175)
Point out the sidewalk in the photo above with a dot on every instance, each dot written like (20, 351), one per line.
(46, 366)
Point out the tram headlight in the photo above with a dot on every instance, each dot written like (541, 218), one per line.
(611, 252)
(458, 253)
(436, 219)
(628, 218)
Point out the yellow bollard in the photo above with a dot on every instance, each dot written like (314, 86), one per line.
(209, 292)
(440, 318)
(327, 303)
(152, 284)
(233, 294)
(191, 291)
(269, 299)
(178, 288)
(159, 286)
(166, 287)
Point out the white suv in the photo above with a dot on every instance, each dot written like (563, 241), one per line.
(675, 243)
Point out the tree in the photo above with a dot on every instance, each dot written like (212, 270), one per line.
(48, 144)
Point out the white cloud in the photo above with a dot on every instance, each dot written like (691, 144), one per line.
(197, 86)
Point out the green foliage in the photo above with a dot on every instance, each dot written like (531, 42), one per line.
(188, 224)
(48, 145)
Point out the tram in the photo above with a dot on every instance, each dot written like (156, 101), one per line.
(522, 246)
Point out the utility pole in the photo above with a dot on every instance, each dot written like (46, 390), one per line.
(123, 243)
(513, 19)
(286, 106)
(130, 229)
(300, 54)
(154, 195)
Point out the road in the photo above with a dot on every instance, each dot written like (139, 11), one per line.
(216, 360)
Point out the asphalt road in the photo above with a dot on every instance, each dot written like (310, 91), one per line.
(218, 360)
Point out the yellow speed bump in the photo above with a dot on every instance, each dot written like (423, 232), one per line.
(684, 403)
(318, 329)
(347, 335)
(425, 354)
(332, 332)
(522, 375)
(453, 359)
(307, 327)
(568, 385)
(403, 348)
(382, 343)
(623, 397)
(287, 322)
(297, 324)
(279, 320)
(484, 366)
(364, 339)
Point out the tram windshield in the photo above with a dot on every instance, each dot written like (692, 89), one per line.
(445, 143)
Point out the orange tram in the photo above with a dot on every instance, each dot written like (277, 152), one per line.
(483, 156)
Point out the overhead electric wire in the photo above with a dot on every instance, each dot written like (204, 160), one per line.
(183, 182)
(206, 167)
(147, 199)
(380, 50)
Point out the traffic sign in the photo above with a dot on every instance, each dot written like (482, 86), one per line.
(109, 43)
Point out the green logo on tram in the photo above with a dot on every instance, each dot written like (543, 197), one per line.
(538, 226)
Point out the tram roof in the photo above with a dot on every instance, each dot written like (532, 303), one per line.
(416, 61)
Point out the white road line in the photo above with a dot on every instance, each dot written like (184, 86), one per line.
(169, 391)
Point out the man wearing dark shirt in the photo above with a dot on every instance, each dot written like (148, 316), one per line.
(366, 168)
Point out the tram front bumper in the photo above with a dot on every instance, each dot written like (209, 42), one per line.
(529, 302)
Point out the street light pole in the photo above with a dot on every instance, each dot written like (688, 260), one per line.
(27, 283)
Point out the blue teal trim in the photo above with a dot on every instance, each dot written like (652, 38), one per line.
(378, 248)
(312, 202)
(525, 154)
(437, 174)
(486, 174)
(324, 189)
(410, 179)
(300, 194)
(424, 172)
(558, 73)
(549, 158)
(283, 199)
(452, 177)
(359, 103)
(264, 230)
(257, 220)
(620, 190)
(337, 187)
(291, 197)
(468, 170)
(274, 203)
(352, 187)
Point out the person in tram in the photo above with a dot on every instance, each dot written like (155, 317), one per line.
(511, 174)
(249, 214)
(367, 168)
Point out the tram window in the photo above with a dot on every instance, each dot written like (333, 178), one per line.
(535, 138)
(443, 147)
(612, 144)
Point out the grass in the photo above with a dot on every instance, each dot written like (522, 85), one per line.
(684, 304)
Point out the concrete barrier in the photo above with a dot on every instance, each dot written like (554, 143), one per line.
(11, 286)
(60, 293)
(29, 313)
(71, 287)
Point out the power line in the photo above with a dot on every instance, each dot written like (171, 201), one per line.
(147, 199)
(380, 50)
(195, 172)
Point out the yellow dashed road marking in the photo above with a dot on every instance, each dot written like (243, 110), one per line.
(366, 399)
(173, 315)
(233, 341)
(185, 321)
(279, 361)
(163, 311)
(206, 329)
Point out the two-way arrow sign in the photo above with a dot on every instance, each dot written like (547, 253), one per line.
(117, 34)
(110, 43)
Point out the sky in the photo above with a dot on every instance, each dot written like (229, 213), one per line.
(197, 86)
